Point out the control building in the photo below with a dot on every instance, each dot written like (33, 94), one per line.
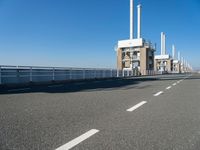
(163, 62)
(135, 53)
(176, 67)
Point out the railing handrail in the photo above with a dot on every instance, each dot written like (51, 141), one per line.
(43, 67)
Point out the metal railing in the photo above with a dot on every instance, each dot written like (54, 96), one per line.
(27, 74)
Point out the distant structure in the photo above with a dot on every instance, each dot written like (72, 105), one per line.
(176, 66)
(163, 62)
(135, 53)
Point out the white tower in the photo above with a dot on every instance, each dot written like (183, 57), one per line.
(163, 43)
(179, 56)
(131, 20)
(139, 7)
(173, 52)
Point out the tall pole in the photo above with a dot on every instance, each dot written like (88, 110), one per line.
(173, 51)
(131, 20)
(163, 45)
(139, 21)
(179, 56)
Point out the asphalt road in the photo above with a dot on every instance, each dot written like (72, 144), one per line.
(150, 113)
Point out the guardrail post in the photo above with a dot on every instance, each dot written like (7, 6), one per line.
(95, 73)
(117, 73)
(83, 73)
(103, 73)
(70, 73)
(31, 74)
(53, 75)
(0, 76)
(123, 73)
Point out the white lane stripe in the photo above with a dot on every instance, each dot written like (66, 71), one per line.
(174, 84)
(157, 94)
(15, 90)
(52, 86)
(169, 87)
(78, 140)
(136, 106)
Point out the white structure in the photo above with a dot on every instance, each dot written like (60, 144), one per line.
(176, 67)
(163, 62)
(163, 43)
(173, 52)
(135, 53)
(131, 20)
(139, 21)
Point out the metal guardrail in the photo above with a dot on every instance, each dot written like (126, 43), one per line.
(26, 74)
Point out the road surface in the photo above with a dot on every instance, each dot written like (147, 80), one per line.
(150, 113)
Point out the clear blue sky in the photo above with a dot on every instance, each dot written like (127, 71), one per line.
(83, 33)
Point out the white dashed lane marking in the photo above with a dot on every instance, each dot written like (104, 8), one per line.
(136, 106)
(169, 87)
(78, 140)
(157, 94)
(174, 84)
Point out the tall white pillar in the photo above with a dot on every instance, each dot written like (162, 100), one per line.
(131, 19)
(163, 43)
(173, 52)
(179, 56)
(139, 7)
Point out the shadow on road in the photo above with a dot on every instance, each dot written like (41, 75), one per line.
(89, 85)
(63, 87)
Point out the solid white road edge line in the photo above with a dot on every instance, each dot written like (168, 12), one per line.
(78, 140)
(157, 94)
(174, 84)
(136, 106)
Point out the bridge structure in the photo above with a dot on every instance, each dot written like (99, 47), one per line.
(135, 106)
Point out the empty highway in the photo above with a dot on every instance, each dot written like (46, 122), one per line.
(146, 113)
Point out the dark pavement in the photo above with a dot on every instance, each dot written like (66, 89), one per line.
(47, 117)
